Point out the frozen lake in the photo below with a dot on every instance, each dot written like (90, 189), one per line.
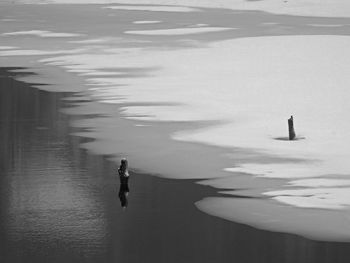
(204, 94)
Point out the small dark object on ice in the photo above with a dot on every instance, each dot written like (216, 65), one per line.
(291, 128)
(123, 171)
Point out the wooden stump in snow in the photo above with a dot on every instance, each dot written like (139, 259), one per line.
(291, 128)
(123, 171)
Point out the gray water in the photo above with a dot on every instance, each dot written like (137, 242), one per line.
(60, 204)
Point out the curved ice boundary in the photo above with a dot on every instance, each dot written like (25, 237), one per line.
(251, 86)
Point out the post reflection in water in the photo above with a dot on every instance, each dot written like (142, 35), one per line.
(123, 173)
(123, 195)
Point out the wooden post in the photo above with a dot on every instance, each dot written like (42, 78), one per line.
(123, 171)
(291, 128)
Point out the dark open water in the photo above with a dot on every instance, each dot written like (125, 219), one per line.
(60, 204)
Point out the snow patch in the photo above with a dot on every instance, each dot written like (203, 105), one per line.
(40, 33)
(178, 31)
(153, 8)
(147, 22)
